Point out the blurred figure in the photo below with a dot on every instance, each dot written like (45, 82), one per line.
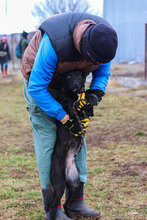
(4, 56)
(24, 42)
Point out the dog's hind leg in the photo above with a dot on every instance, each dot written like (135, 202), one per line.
(70, 192)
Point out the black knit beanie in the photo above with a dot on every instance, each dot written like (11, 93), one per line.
(99, 43)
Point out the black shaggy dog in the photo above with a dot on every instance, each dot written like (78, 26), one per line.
(63, 168)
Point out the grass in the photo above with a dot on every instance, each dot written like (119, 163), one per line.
(116, 142)
(139, 133)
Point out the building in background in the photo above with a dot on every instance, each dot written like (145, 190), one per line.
(128, 17)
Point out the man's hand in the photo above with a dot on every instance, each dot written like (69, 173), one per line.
(82, 102)
(94, 96)
(85, 123)
(73, 126)
(81, 106)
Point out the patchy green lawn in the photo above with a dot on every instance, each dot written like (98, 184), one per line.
(116, 142)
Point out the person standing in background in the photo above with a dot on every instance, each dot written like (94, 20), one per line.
(4, 56)
(24, 42)
(22, 45)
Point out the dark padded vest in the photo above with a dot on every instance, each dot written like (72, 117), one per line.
(60, 30)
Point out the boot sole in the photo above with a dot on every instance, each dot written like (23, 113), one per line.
(80, 217)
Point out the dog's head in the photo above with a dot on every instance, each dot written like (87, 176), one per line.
(72, 82)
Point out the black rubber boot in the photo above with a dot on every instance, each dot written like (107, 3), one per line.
(79, 209)
(59, 215)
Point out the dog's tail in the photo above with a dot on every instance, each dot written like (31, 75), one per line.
(51, 201)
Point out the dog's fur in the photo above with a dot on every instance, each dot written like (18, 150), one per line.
(63, 169)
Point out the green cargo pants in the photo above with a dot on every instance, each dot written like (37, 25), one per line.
(44, 135)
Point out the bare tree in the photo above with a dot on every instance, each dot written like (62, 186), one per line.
(47, 8)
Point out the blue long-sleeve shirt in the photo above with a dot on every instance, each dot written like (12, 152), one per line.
(43, 69)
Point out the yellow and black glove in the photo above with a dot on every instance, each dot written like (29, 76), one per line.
(73, 126)
(94, 96)
(82, 102)
(85, 123)
(81, 106)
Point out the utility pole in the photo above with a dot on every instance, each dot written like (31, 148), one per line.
(145, 73)
(5, 7)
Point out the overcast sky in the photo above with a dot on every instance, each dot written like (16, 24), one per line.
(19, 15)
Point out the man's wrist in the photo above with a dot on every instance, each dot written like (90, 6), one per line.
(64, 119)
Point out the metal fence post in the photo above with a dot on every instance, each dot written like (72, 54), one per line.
(12, 51)
(145, 73)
